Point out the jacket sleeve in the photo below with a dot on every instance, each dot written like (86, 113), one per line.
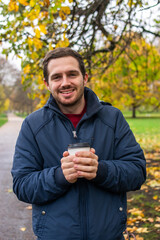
(127, 171)
(32, 183)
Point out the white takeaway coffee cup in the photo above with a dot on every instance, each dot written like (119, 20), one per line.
(76, 147)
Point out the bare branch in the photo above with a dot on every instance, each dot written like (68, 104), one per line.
(142, 9)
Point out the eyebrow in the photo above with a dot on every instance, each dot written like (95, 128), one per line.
(68, 72)
(55, 75)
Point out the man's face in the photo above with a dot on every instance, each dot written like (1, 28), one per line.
(66, 83)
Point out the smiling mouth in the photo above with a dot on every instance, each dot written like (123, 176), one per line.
(67, 91)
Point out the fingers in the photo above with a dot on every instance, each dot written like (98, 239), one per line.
(86, 164)
(83, 164)
(88, 154)
(92, 150)
(65, 154)
(87, 175)
(68, 169)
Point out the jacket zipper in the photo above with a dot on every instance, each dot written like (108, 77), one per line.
(83, 209)
(83, 202)
(74, 134)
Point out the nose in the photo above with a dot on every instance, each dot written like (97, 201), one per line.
(65, 81)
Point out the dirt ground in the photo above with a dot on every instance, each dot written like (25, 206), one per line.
(15, 220)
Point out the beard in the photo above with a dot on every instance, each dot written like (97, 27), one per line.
(71, 103)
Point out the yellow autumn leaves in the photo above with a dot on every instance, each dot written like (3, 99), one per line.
(38, 21)
(33, 14)
(14, 4)
(64, 11)
(144, 206)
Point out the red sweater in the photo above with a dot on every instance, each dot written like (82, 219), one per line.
(75, 118)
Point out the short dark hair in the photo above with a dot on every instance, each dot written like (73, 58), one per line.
(62, 52)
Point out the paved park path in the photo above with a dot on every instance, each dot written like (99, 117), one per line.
(15, 216)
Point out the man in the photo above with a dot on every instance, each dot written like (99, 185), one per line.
(81, 196)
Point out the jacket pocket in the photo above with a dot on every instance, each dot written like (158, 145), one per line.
(39, 216)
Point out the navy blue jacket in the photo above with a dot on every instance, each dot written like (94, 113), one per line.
(85, 210)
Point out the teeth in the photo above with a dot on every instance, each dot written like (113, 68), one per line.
(67, 92)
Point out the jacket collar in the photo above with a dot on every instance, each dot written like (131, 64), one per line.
(93, 103)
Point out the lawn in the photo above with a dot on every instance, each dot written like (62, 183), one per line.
(3, 119)
(147, 132)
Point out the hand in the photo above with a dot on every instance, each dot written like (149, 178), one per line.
(68, 169)
(86, 164)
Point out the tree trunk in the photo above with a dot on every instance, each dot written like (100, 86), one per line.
(133, 111)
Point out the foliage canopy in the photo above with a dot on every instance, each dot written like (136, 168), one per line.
(133, 80)
(99, 29)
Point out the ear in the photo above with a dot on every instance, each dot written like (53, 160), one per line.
(85, 79)
(46, 84)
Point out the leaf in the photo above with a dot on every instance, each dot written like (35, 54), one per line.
(66, 10)
(32, 3)
(142, 230)
(115, 27)
(157, 209)
(38, 33)
(63, 12)
(157, 219)
(62, 15)
(23, 2)
(136, 212)
(50, 46)
(46, 3)
(150, 220)
(23, 229)
(29, 207)
(13, 6)
(139, 238)
(157, 226)
(33, 14)
(155, 197)
(154, 183)
(26, 69)
(10, 190)
(63, 43)
(43, 28)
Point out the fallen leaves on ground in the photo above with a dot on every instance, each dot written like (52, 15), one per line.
(10, 190)
(29, 207)
(23, 229)
(144, 205)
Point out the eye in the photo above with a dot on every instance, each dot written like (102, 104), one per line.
(55, 77)
(73, 74)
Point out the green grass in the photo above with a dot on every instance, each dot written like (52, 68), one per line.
(146, 131)
(23, 115)
(128, 114)
(146, 128)
(3, 119)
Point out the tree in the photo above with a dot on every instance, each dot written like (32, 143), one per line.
(133, 80)
(21, 100)
(12, 94)
(7, 77)
(32, 27)
(8, 72)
